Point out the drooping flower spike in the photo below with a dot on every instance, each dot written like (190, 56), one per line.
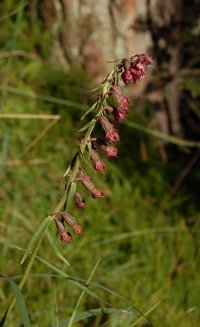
(108, 116)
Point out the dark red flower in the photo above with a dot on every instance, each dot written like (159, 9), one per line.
(127, 77)
(136, 69)
(122, 110)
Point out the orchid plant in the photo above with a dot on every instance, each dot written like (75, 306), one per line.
(107, 116)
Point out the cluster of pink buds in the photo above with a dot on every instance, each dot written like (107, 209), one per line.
(65, 236)
(108, 116)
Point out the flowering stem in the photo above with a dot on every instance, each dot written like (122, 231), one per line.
(89, 130)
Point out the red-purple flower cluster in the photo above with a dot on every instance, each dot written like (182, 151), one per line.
(71, 221)
(135, 68)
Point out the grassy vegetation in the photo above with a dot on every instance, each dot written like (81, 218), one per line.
(147, 241)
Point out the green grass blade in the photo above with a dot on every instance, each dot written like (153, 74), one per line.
(20, 301)
(43, 97)
(94, 312)
(163, 136)
(35, 237)
(82, 294)
(76, 281)
(147, 313)
(61, 273)
(4, 153)
(18, 21)
(89, 110)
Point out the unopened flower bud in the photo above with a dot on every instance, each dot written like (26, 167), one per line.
(59, 225)
(100, 166)
(77, 229)
(97, 194)
(65, 237)
(106, 125)
(80, 203)
(116, 92)
(89, 185)
(111, 151)
(112, 135)
(108, 109)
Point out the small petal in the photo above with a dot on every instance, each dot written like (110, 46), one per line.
(116, 92)
(77, 229)
(97, 194)
(65, 237)
(87, 183)
(111, 151)
(100, 166)
(127, 77)
(106, 125)
(108, 109)
(112, 135)
(80, 203)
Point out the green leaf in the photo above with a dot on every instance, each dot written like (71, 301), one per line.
(20, 302)
(89, 146)
(72, 190)
(35, 237)
(193, 85)
(71, 165)
(85, 126)
(89, 110)
(82, 294)
(99, 87)
(57, 252)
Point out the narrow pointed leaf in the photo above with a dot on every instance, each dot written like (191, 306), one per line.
(72, 190)
(89, 110)
(35, 238)
(85, 127)
(21, 304)
(71, 165)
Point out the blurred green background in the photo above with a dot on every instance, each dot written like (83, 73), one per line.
(146, 231)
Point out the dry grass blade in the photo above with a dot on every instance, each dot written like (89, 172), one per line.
(29, 116)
